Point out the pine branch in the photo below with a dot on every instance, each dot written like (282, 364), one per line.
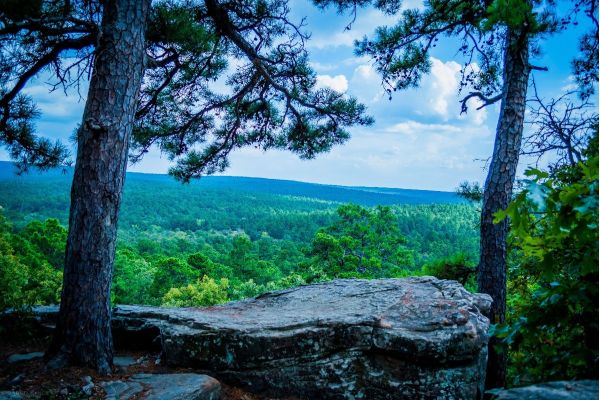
(486, 100)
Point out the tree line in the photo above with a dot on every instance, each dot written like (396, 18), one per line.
(358, 242)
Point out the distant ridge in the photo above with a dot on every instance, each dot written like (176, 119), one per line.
(367, 196)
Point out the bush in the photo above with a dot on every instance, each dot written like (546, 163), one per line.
(458, 268)
(552, 324)
(206, 292)
(170, 273)
(26, 277)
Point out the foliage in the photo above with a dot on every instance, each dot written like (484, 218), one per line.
(459, 267)
(471, 191)
(26, 276)
(271, 98)
(170, 272)
(258, 240)
(553, 325)
(205, 292)
(133, 277)
(50, 238)
(206, 267)
(153, 259)
(361, 243)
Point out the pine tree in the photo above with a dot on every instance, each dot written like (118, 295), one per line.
(156, 69)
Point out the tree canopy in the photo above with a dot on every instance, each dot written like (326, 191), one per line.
(218, 76)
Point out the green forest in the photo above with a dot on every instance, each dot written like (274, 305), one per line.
(204, 244)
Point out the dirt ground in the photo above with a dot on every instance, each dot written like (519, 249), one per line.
(34, 381)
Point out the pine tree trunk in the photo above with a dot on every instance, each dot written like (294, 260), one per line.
(83, 333)
(491, 274)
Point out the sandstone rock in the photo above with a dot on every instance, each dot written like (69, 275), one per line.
(346, 339)
(379, 339)
(562, 390)
(88, 389)
(123, 361)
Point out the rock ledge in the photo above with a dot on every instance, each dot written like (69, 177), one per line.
(346, 339)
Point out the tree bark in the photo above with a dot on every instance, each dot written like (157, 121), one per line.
(491, 274)
(83, 334)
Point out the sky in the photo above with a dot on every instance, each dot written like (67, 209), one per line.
(419, 139)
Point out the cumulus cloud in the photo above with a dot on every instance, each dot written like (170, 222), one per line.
(442, 86)
(339, 83)
(437, 96)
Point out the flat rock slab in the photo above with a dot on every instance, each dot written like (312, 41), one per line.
(164, 387)
(562, 390)
(373, 339)
(346, 339)
(179, 386)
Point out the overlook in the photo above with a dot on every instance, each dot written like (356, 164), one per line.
(292, 200)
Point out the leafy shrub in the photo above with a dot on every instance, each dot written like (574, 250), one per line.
(205, 292)
(171, 272)
(26, 277)
(458, 267)
(552, 327)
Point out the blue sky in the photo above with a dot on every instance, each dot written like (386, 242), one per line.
(419, 140)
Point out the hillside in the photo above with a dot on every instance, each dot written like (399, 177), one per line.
(283, 209)
(366, 196)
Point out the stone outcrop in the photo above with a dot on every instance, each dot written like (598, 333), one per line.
(562, 390)
(413, 338)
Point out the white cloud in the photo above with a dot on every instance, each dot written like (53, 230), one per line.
(366, 84)
(408, 128)
(442, 86)
(570, 85)
(437, 96)
(339, 83)
(339, 39)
